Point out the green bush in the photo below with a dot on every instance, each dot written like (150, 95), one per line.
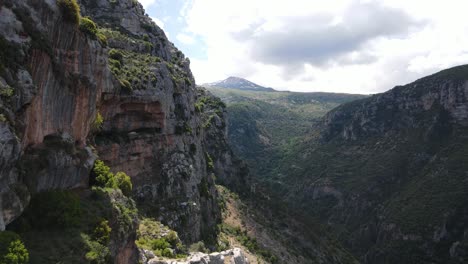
(102, 232)
(124, 183)
(70, 10)
(167, 252)
(198, 247)
(115, 66)
(97, 252)
(116, 55)
(199, 107)
(172, 238)
(12, 250)
(88, 26)
(160, 243)
(105, 178)
(98, 121)
(6, 91)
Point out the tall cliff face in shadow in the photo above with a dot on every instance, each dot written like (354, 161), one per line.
(57, 80)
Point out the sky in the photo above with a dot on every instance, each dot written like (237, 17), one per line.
(346, 46)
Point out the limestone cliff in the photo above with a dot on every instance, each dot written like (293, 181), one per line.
(57, 81)
(223, 163)
(51, 79)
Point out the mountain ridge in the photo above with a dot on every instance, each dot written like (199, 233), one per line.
(238, 83)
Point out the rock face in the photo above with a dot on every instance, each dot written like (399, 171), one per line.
(231, 256)
(226, 167)
(57, 82)
(52, 78)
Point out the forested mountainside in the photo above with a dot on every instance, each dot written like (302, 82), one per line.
(264, 126)
(386, 174)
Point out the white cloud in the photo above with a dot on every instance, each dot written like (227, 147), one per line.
(160, 24)
(234, 33)
(147, 3)
(186, 39)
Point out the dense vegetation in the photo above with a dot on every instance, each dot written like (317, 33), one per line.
(266, 126)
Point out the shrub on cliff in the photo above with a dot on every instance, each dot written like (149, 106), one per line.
(124, 183)
(116, 55)
(102, 232)
(97, 123)
(12, 249)
(70, 10)
(88, 26)
(98, 253)
(105, 178)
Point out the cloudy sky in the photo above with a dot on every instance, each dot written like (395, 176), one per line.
(315, 45)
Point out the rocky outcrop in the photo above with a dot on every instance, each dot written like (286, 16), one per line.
(231, 256)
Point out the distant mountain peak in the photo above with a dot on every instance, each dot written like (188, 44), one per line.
(238, 83)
